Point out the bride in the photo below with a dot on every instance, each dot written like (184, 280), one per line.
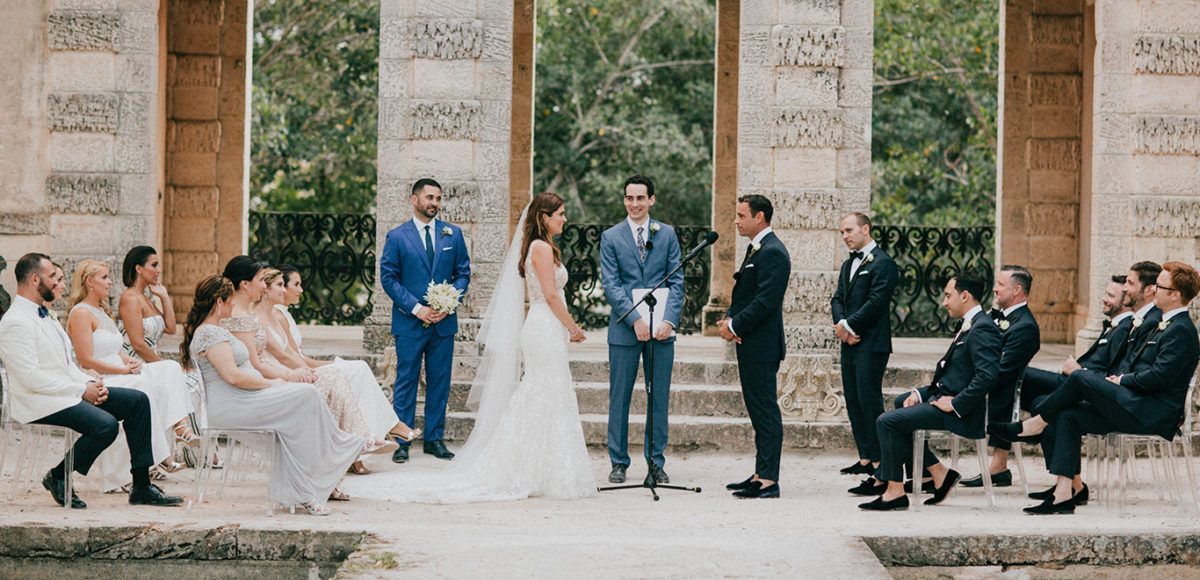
(527, 440)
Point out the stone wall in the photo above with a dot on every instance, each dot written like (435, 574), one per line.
(446, 75)
(804, 141)
(1146, 163)
(80, 115)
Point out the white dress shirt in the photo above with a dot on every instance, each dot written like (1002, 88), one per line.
(633, 229)
(867, 249)
(1169, 315)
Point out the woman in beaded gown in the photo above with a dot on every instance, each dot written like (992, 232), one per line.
(527, 440)
(313, 453)
(98, 347)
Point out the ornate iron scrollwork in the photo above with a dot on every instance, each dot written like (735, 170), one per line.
(926, 257)
(335, 254)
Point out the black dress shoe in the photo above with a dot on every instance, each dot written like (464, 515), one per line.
(940, 493)
(926, 486)
(1080, 498)
(57, 490)
(857, 468)
(1042, 495)
(869, 487)
(1002, 479)
(757, 491)
(153, 495)
(660, 476)
(438, 449)
(1049, 508)
(741, 484)
(400, 455)
(617, 475)
(879, 505)
(1011, 432)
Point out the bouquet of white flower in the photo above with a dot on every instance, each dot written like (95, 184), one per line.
(444, 298)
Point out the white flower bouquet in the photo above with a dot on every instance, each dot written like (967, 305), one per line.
(444, 298)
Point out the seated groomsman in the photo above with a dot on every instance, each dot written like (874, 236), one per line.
(1146, 394)
(1118, 322)
(955, 399)
(1022, 339)
(862, 307)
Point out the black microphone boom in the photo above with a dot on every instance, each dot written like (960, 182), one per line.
(709, 239)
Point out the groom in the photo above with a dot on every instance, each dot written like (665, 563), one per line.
(420, 252)
(638, 253)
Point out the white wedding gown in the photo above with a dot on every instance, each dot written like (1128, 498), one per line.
(534, 449)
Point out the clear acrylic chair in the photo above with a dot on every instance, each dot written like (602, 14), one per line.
(920, 437)
(29, 444)
(1169, 483)
(1016, 446)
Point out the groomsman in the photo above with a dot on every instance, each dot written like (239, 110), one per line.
(755, 323)
(1145, 395)
(1114, 331)
(862, 307)
(1022, 340)
(955, 399)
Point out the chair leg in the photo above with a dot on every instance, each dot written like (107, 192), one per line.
(1174, 481)
(918, 467)
(68, 466)
(1189, 469)
(1122, 458)
(1021, 467)
(981, 451)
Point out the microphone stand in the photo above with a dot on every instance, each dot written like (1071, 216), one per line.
(651, 482)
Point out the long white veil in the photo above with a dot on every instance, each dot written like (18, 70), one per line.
(499, 368)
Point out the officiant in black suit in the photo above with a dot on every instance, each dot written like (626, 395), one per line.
(755, 322)
(862, 322)
(1145, 395)
(955, 400)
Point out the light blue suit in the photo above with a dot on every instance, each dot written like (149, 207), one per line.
(405, 272)
(621, 271)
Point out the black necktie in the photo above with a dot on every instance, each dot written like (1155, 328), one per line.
(43, 312)
(856, 256)
(428, 245)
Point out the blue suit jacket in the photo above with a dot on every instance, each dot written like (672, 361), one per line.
(621, 272)
(405, 273)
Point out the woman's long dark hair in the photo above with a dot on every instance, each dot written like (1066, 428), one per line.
(138, 256)
(242, 269)
(208, 292)
(542, 206)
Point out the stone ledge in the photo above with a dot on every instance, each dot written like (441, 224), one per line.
(1108, 550)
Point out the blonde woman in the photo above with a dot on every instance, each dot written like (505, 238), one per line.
(97, 344)
(381, 421)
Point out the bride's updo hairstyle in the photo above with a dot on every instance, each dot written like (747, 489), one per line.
(541, 208)
(208, 292)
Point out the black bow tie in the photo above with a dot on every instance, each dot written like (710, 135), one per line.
(1105, 325)
(998, 315)
(43, 312)
(856, 255)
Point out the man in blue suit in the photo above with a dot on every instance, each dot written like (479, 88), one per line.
(638, 253)
(418, 253)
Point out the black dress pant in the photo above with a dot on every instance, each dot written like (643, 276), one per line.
(1038, 383)
(862, 385)
(97, 427)
(1085, 404)
(896, 429)
(1000, 410)
(759, 380)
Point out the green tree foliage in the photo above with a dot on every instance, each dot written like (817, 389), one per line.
(314, 105)
(625, 87)
(934, 122)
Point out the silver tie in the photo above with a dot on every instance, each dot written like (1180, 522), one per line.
(641, 244)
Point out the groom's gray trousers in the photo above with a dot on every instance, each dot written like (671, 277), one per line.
(623, 370)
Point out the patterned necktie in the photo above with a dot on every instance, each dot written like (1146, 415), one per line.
(428, 245)
(641, 244)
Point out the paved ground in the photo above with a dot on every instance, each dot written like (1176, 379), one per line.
(812, 532)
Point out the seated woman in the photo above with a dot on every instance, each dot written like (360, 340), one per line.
(373, 406)
(313, 452)
(97, 345)
(143, 322)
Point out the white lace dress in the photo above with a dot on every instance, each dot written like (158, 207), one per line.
(537, 448)
(163, 383)
(153, 329)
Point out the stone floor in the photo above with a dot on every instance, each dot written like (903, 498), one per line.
(814, 531)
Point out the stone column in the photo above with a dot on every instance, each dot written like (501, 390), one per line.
(804, 136)
(446, 109)
(725, 152)
(1146, 163)
(78, 163)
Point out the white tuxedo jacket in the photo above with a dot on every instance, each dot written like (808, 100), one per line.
(42, 380)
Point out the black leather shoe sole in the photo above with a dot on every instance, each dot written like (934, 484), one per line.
(155, 500)
(1049, 508)
(769, 492)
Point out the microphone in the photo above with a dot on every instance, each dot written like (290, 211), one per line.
(709, 239)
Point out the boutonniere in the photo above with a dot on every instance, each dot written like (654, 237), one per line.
(1003, 324)
(966, 325)
(755, 246)
(1163, 325)
(1137, 321)
(868, 259)
(446, 231)
(654, 227)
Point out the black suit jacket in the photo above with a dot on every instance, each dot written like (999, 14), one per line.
(1099, 356)
(756, 307)
(1021, 342)
(1158, 373)
(866, 301)
(1123, 356)
(970, 371)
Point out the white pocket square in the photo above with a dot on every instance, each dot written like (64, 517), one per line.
(748, 266)
(864, 272)
(447, 249)
(1103, 341)
(960, 343)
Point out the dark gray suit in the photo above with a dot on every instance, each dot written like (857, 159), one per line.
(1099, 357)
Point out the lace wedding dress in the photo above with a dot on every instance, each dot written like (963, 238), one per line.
(527, 444)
